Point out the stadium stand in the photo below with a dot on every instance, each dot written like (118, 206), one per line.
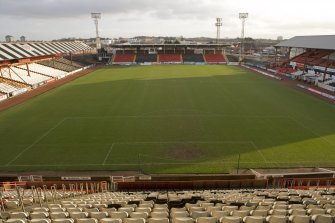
(232, 58)
(196, 58)
(20, 75)
(195, 206)
(68, 62)
(170, 58)
(82, 59)
(6, 88)
(31, 64)
(12, 51)
(146, 58)
(214, 58)
(124, 59)
(57, 65)
(43, 70)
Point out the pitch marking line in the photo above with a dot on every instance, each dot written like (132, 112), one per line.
(259, 152)
(109, 152)
(180, 115)
(132, 164)
(311, 131)
(36, 141)
(187, 142)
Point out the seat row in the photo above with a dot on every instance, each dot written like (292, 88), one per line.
(227, 219)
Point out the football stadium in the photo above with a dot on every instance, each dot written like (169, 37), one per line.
(167, 132)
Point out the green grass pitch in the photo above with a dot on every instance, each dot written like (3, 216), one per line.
(168, 119)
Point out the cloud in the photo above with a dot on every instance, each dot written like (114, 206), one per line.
(127, 18)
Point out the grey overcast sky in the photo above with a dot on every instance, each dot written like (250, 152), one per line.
(52, 19)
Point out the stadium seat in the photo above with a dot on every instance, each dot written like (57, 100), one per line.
(78, 214)
(206, 220)
(299, 219)
(134, 220)
(182, 220)
(214, 58)
(86, 220)
(143, 215)
(322, 218)
(118, 214)
(45, 220)
(98, 215)
(253, 219)
(39, 215)
(110, 220)
(230, 219)
(158, 220)
(276, 219)
(62, 220)
(161, 214)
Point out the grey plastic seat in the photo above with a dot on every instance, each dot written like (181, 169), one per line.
(315, 211)
(239, 213)
(192, 209)
(247, 208)
(230, 219)
(253, 219)
(323, 218)
(133, 220)
(299, 219)
(282, 212)
(219, 214)
(19, 215)
(86, 220)
(98, 215)
(39, 215)
(118, 214)
(182, 220)
(297, 212)
(135, 214)
(57, 209)
(179, 214)
(59, 215)
(262, 213)
(39, 209)
(206, 220)
(178, 209)
(110, 220)
(62, 220)
(197, 214)
(45, 220)
(127, 209)
(229, 208)
(74, 209)
(79, 214)
(158, 220)
(16, 220)
(143, 209)
(213, 208)
(161, 214)
(277, 219)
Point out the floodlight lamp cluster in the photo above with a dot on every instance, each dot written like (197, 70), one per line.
(243, 15)
(218, 22)
(95, 15)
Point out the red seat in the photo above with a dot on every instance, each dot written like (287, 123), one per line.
(124, 58)
(215, 58)
(169, 58)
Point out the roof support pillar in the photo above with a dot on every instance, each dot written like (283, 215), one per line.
(28, 71)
